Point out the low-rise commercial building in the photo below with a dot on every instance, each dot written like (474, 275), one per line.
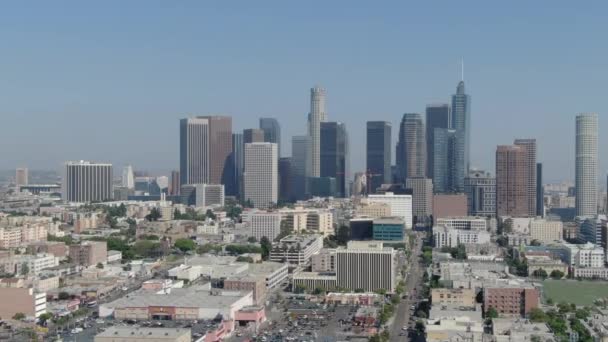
(508, 300)
(137, 334)
(296, 249)
(546, 231)
(450, 237)
(89, 253)
(458, 297)
(464, 222)
(389, 229)
(22, 300)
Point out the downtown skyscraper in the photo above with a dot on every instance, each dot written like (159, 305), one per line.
(461, 123)
(586, 164)
(86, 182)
(437, 116)
(272, 131)
(261, 174)
(315, 117)
(411, 147)
(300, 165)
(516, 179)
(378, 154)
(334, 155)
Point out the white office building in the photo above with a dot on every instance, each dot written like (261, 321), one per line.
(586, 164)
(584, 255)
(265, 224)
(465, 222)
(85, 182)
(366, 265)
(261, 174)
(296, 249)
(546, 231)
(450, 237)
(401, 205)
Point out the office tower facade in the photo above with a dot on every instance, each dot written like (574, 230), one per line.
(366, 265)
(21, 176)
(422, 197)
(480, 188)
(334, 155)
(315, 117)
(437, 116)
(540, 192)
(461, 123)
(253, 135)
(301, 163)
(530, 148)
(272, 131)
(261, 174)
(401, 205)
(444, 153)
(411, 147)
(234, 186)
(128, 180)
(285, 180)
(220, 147)
(174, 184)
(378, 154)
(86, 182)
(512, 174)
(194, 150)
(586, 166)
(203, 195)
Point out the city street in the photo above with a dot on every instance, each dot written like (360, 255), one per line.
(412, 286)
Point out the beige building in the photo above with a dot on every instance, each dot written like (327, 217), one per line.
(246, 283)
(546, 231)
(132, 334)
(89, 253)
(22, 300)
(374, 210)
(459, 297)
(301, 220)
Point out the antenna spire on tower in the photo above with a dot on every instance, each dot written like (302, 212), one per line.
(462, 69)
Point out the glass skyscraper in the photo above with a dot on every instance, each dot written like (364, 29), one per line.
(444, 153)
(411, 147)
(272, 131)
(301, 163)
(378, 154)
(437, 116)
(334, 154)
(461, 122)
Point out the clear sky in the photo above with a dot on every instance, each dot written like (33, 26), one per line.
(109, 80)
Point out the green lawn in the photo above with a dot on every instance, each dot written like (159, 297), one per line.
(574, 291)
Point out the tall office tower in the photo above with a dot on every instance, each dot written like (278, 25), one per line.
(315, 117)
(422, 197)
(586, 164)
(86, 182)
(411, 147)
(444, 152)
(285, 181)
(366, 265)
(220, 147)
(234, 187)
(480, 188)
(437, 116)
(174, 184)
(512, 181)
(334, 155)
(272, 131)
(261, 174)
(540, 191)
(301, 161)
(378, 154)
(461, 122)
(251, 135)
(194, 151)
(128, 180)
(21, 176)
(530, 145)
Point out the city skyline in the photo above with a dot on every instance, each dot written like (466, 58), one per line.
(383, 88)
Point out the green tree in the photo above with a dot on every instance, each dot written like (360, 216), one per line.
(343, 235)
(266, 247)
(299, 288)
(252, 239)
(491, 313)
(25, 269)
(208, 248)
(210, 214)
(99, 265)
(540, 273)
(43, 318)
(535, 243)
(154, 214)
(537, 315)
(146, 248)
(185, 244)
(63, 295)
(19, 316)
(557, 274)
(419, 327)
(241, 258)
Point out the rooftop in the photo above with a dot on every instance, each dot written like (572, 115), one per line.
(143, 333)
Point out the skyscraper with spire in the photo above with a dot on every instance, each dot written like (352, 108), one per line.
(315, 117)
(461, 123)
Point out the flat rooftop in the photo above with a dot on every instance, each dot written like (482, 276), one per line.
(132, 333)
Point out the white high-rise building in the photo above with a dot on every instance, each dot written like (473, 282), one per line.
(21, 176)
(401, 205)
(266, 224)
(85, 182)
(194, 151)
(586, 164)
(261, 174)
(315, 117)
(128, 180)
(366, 265)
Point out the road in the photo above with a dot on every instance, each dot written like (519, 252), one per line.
(412, 286)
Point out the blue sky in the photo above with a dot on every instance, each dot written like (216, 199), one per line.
(109, 81)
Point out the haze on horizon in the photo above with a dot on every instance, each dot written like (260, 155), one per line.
(109, 81)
